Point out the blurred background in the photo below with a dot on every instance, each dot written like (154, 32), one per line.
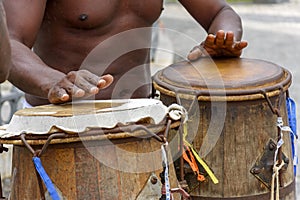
(271, 27)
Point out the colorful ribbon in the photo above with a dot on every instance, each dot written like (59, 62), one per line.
(44, 176)
(204, 165)
(177, 112)
(291, 111)
(190, 159)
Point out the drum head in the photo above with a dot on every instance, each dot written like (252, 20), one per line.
(78, 117)
(220, 77)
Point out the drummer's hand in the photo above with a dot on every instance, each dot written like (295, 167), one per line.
(78, 84)
(219, 45)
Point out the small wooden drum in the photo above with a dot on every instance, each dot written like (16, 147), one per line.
(98, 150)
(238, 103)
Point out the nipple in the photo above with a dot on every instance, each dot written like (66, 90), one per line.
(83, 17)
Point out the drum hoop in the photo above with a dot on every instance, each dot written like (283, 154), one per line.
(219, 95)
(92, 135)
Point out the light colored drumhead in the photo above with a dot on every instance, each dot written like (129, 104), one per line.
(80, 116)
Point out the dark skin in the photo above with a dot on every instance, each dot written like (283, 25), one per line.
(5, 52)
(62, 34)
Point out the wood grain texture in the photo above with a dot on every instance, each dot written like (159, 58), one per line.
(247, 129)
(77, 170)
(237, 105)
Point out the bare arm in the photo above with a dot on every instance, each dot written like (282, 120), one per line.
(5, 52)
(29, 72)
(223, 25)
(214, 16)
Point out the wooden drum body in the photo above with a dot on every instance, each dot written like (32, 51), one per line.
(120, 162)
(236, 131)
(78, 174)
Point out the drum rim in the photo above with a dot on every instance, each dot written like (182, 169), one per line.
(92, 135)
(280, 86)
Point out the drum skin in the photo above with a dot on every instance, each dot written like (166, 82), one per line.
(79, 175)
(113, 150)
(247, 122)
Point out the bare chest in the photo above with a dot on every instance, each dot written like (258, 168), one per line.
(88, 14)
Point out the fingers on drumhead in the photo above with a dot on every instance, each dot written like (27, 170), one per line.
(105, 81)
(195, 54)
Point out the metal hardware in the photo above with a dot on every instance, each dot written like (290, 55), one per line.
(263, 168)
(151, 190)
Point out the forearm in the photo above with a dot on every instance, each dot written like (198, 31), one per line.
(5, 53)
(231, 23)
(214, 16)
(223, 25)
(29, 73)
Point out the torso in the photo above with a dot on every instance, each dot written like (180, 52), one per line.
(71, 29)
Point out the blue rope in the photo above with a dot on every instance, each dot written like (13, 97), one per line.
(48, 183)
(292, 118)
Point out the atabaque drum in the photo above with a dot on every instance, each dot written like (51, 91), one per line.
(237, 123)
(108, 149)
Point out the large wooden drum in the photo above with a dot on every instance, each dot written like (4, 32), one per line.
(234, 125)
(98, 150)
